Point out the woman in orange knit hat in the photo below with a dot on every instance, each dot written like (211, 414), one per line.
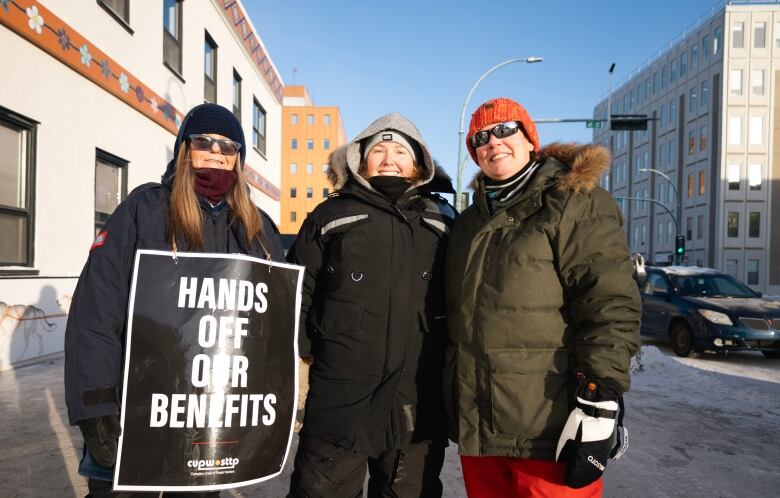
(542, 314)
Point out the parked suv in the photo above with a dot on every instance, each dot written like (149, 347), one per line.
(699, 309)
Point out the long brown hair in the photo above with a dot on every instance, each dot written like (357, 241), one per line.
(185, 220)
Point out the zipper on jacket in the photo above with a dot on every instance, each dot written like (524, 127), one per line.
(400, 213)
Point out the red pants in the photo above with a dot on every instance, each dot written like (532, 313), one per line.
(505, 477)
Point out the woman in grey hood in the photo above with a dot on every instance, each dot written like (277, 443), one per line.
(373, 320)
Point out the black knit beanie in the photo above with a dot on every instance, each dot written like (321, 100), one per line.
(211, 118)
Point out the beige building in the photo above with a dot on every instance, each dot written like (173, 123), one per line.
(309, 134)
(89, 111)
(713, 144)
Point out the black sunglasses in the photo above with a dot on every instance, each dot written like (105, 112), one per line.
(501, 130)
(205, 142)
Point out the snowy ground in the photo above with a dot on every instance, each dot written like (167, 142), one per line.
(707, 427)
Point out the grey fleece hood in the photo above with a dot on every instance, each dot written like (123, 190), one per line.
(346, 159)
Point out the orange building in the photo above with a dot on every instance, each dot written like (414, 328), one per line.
(309, 134)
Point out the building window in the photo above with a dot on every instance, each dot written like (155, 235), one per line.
(110, 185)
(294, 143)
(754, 177)
(660, 235)
(237, 95)
(691, 142)
(732, 225)
(705, 93)
(692, 100)
(735, 130)
(702, 185)
(662, 154)
(294, 119)
(325, 168)
(694, 55)
(293, 168)
(210, 70)
(754, 224)
(310, 119)
(672, 70)
(119, 10)
(326, 119)
(293, 192)
(752, 272)
(309, 169)
(326, 144)
(703, 137)
(662, 192)
(293, 216)
(172, 35)
(664, 76)
(691, 186)
(737, 35)
(672, 152)
(309, 192)
(258, 127)
(756, 131)
(732, 176)
(661, 116)
(325, 192)
(310, 143)
(688, 228)
(732, 267)
(683, 63)
(705, 48)
(647, 88)
(777, 35)
(655, 82)
(700, 227)
(669, 230)
(717, 41)
(759, 35)
(735, 81)
(17, 175)
(757, 81)
(672, 112)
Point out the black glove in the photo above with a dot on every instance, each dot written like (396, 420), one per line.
(100, 436)
(587, 439)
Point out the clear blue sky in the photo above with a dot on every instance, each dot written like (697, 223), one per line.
(420, 58)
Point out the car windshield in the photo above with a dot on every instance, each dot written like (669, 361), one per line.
(710, 286)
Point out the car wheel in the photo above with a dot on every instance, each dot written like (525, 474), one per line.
(775, 355)
(682, 340)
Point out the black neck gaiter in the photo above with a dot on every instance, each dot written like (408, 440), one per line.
(392, 187)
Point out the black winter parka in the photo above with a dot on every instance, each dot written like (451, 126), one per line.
(373, 313)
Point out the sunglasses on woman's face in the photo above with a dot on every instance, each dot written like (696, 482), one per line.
(205, 142)
(501, 130)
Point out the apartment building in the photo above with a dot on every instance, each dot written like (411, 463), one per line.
(708, 164)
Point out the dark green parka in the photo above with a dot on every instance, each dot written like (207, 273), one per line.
(536, 292)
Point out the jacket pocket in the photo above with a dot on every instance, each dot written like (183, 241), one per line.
(528, 392)
(332, 317)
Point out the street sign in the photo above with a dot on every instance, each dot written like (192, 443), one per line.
(593, 123)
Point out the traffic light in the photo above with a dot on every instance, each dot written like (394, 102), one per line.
(679, 245)
(628, 122)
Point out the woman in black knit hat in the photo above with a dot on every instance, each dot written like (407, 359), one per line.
(203, 187)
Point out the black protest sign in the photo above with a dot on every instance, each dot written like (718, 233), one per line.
(210, 380)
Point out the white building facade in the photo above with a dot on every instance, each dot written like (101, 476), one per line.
(712, 146)
(90, 105)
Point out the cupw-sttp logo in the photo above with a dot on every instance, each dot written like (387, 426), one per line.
(213, 464)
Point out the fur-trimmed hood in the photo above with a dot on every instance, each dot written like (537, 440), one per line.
(345, 161)
(586, 163)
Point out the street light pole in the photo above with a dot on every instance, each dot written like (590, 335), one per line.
(462, 132)
(677, 201)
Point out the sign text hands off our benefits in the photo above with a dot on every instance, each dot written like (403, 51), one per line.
(219, 367)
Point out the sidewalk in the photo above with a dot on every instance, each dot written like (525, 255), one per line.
(41, 451)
